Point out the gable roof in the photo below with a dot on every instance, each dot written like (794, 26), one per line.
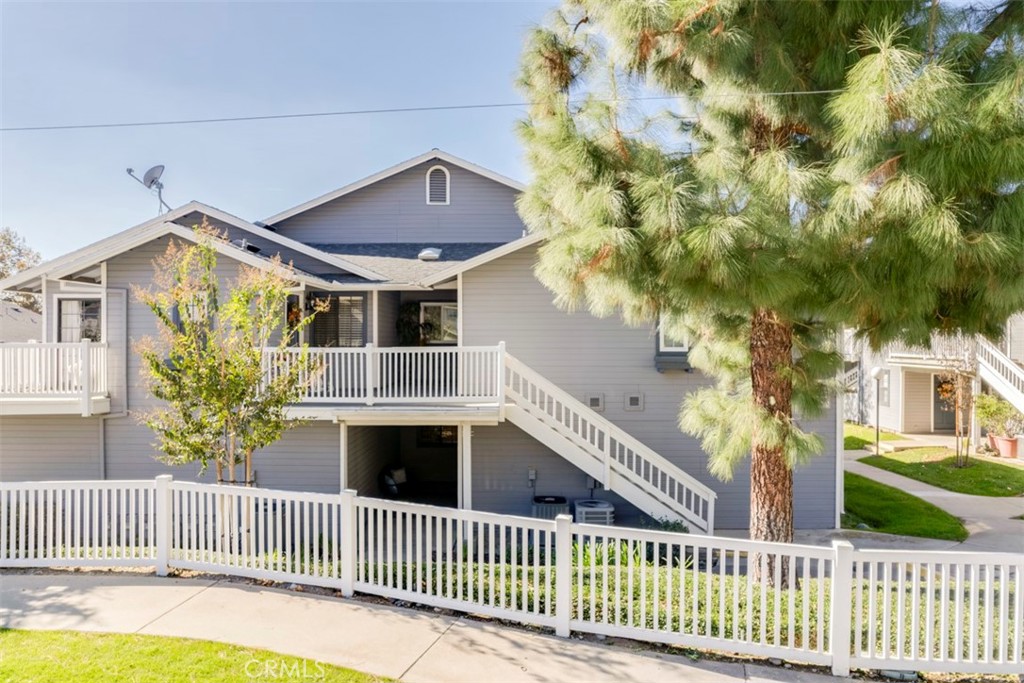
(394, 170)
(89, 256)
(480, 259)
(272, 236)
(158, 227)
(400, 262)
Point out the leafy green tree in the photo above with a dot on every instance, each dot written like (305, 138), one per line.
(222, 397)
(759, 174)
(16, 256)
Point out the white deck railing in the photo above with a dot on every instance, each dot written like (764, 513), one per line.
(936, 611)
(53, 370)
(942, 348)
(418, 375)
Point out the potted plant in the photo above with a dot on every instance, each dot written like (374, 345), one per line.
(991, 415)
(411, 332)
(1003, 423)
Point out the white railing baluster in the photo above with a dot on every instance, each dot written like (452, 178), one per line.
(53, 370)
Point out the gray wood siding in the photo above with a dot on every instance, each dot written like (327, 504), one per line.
(502, 301)
(501, 457)
(1015, 338)
(369, 450)
(46, 448)
(395, 210)
(888, 415)
(917, 410)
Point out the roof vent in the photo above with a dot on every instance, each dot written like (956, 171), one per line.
(429, 254)
(245, 246)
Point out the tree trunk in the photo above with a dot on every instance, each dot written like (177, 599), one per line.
(771, 479)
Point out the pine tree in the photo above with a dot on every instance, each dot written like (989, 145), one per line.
(761, 173)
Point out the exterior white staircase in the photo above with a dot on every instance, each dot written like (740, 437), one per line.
(1000, 372)
(604, 451)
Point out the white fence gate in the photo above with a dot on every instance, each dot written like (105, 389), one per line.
(928, 611)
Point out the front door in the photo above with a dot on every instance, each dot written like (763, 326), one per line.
(944, 417)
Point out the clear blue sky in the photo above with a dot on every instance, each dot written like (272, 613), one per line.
(96, 63)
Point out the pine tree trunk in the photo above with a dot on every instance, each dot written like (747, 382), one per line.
(771, 479)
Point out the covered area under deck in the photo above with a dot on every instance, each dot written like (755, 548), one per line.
(426, 462)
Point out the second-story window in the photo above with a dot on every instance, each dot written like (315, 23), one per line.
(438, 185)
(440, 322)
(343, 325)
(78, 319)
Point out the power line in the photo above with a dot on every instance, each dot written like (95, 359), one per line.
(397, 110)
(354, 112)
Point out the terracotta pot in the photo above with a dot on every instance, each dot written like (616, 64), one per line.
(1006, 446)
(991, 442)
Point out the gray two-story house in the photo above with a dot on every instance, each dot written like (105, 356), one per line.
(449, 374)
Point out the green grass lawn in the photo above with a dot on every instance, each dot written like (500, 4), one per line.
(936, 466)
(50, 656)
(856, 437)
(891, 511)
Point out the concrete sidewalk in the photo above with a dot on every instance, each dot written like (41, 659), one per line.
(404, 644)
(988, 519)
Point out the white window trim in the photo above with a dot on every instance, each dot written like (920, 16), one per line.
(79, 295)
(447, 185)
(441, 305)
(664, 347)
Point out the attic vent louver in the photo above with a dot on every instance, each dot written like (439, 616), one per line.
(437, 185)
(429, 254)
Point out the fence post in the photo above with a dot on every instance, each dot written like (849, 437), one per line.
(85, 369)
(711, 515)
(840, 623)
(347, 541)
(563, 574)
(163, 523)
(370, 356)
(501, 380)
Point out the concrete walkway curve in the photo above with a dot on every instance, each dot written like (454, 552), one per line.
(403, 644)
(989, 520)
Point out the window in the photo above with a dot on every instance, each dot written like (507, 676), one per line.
(440, 322)
(669, 353)
(438, 185)
(342, 325)
(435, 436)
(78, 319)
(666, 344)
(883, 389)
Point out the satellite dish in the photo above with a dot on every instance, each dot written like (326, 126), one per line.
(151, 180)
(152, 176)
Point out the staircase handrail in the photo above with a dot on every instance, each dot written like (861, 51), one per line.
(1002, 364)
(611, 431)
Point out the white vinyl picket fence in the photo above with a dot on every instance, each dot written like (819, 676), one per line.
(926, 611)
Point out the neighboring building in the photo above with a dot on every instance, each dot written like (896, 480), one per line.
(568, 402)
(905, 394)
(19, 324)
